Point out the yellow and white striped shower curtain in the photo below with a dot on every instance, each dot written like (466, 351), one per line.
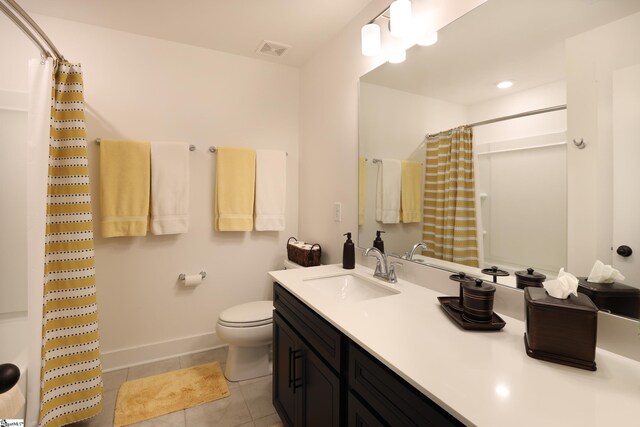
(71, 375)
(449, 198)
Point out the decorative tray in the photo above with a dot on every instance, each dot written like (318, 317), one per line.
(495, 325)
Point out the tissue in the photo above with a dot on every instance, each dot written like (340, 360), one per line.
(562, 286)
(601, 273)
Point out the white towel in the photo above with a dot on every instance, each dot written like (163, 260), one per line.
(271, 188)
(388, 191)
(169, 187)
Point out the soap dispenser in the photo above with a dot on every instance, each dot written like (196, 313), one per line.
(348, 253)
(378, 243)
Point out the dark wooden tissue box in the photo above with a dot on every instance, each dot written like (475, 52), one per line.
(561, 330)
(616, 298)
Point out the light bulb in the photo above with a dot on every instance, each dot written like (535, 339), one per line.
(428, 39)
(506, 84)
(397, 56)
(400, 18)
(370, 35)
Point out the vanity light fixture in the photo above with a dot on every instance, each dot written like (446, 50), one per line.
(428, 39)
(400, 12)
(505, 84)
(371, 44)
(405, 30)
(396, 56)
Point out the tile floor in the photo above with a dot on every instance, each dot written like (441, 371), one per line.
(248, 406)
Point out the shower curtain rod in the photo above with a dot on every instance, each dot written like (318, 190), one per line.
(11, 9)
(513, 116)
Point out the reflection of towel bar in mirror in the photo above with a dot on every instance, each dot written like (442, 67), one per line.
(213, 149)
(191, 146)
(379, 161)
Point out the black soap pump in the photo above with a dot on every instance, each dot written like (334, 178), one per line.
(378, 243)
(349, 253)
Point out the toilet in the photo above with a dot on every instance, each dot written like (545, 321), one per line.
(248, 329)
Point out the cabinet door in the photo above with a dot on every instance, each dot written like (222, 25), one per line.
(286, 346)
(321, 392)
(359, 415)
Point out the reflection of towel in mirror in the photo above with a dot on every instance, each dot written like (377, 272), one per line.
(388, 192)
(411, 200)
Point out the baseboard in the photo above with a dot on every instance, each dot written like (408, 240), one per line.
(146, 353)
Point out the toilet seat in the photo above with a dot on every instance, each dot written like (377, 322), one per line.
(251, 314)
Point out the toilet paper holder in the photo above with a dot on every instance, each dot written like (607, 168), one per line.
(182, 276)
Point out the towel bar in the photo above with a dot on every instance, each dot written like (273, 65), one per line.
(213, 149)
(191, 146)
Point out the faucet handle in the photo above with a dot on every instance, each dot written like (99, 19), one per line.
(393, 278)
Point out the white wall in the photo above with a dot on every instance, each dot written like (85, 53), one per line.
(393, 124)
(145, 88)
(591, 59)
(329, 128)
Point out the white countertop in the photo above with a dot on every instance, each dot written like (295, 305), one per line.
(482, 378)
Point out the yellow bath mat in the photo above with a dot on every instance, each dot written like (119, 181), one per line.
(151, 397)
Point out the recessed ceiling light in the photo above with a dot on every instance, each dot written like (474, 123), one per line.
(506, 84)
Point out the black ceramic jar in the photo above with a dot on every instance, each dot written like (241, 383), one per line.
(529, 277)
(478, 301)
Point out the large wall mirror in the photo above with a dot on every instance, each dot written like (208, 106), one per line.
(524, 191)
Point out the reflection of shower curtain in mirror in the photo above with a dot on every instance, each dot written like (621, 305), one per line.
(449, 198)
(71, 378)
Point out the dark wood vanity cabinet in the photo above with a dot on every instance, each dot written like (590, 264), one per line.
(321, 378)
(306, 388)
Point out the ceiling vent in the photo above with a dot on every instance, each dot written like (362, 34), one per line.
(272, 48)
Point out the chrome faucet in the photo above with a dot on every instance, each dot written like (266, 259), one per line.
(415, 247)
(384, 270)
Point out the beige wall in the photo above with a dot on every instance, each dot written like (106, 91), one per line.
(145, 88)
(329, 128)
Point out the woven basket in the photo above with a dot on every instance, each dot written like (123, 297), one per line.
(305, 257)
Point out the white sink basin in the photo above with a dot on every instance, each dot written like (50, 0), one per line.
(349, 288)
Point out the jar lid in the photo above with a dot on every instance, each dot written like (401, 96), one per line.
(478, 286)
(530, 275)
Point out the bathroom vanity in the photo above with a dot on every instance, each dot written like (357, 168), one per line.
(350, 349)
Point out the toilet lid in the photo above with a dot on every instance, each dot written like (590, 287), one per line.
(249, 314)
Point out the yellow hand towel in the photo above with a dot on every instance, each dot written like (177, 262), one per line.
(124, 187)
(362, 173)
(411, 184)
(235, 189)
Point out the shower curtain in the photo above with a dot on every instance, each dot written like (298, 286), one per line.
(71, 377)
(449, 198)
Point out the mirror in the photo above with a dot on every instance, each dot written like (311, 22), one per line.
(521, 165)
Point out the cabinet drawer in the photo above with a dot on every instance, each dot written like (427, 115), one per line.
(317, 332)
(395, 400)
(359, 415)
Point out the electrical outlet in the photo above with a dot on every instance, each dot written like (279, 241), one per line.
(337, 212)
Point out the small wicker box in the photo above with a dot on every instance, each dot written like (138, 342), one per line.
(304, 254)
